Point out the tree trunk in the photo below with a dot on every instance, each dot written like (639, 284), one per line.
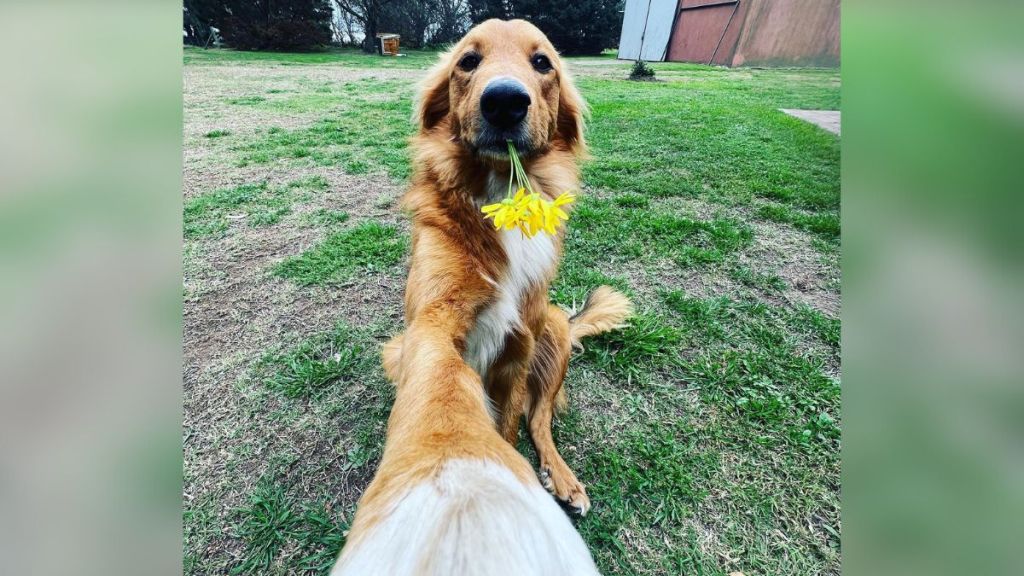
(370, 29)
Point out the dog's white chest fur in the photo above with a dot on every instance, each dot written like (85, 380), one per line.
(530, 261)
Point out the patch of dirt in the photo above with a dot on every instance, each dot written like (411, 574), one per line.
(810, 278)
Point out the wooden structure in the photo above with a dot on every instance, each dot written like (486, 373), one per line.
(732, 32)
(387, 44)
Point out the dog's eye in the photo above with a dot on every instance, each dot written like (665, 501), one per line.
(469, 61)
(541, 63)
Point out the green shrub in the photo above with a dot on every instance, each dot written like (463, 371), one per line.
(641, 71)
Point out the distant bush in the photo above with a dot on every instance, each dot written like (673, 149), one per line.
(641, 71)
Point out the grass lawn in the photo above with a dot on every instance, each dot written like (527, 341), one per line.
(707, 432)
(335, 56)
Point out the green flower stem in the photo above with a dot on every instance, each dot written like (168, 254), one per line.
(517, 170)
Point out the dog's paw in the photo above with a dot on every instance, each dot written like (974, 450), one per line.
(566, 489)
(545, 480)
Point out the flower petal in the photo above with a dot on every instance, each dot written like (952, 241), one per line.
(565, 198)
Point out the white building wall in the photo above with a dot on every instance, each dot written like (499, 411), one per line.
(646, 27)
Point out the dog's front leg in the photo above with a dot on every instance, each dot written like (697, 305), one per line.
(506, 384)
(512, 411)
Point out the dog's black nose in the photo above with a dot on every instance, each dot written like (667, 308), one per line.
(504, 103)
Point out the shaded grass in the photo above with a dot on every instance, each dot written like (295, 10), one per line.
(258, 205)
(367, 248)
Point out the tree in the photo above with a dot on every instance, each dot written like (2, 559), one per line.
(199, 16)
(346, 29)
(580, 27)
(426, 22)
(408, 18)
(366, 13)
(277, 24)
(480, 10)
(451, 21)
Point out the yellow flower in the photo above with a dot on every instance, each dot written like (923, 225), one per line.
(509, 212)
(529, 212)
(533, 219)
(553, 213)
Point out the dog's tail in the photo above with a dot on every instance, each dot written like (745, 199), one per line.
(606, 309)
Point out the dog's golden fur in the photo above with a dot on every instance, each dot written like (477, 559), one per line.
(445, 409)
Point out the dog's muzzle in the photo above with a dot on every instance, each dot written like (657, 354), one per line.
(504, 105)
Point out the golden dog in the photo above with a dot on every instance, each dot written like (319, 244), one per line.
(482, 346)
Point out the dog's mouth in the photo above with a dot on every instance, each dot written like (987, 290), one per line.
(493, 143)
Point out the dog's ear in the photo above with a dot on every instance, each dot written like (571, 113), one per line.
(433, 103)
(572, 111)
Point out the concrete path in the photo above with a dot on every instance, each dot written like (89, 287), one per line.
(825, 119)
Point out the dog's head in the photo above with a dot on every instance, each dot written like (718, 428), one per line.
(503, 81)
